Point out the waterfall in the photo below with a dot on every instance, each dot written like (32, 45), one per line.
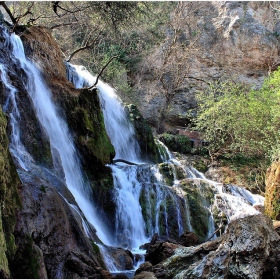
(62, 146)
(149, 198)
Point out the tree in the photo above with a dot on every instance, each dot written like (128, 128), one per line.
(171, 63)
(239, 121)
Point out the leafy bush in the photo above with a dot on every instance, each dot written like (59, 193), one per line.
(238, 121)
(177, 143)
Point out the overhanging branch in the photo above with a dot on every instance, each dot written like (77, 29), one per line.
(100, 73)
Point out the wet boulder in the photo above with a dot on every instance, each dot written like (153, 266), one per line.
(123, 259)
(160, 251)
(188, 239)
(249, 249)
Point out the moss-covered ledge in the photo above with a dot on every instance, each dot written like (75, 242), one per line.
(144, 135)
(86, 122)
(9, 201)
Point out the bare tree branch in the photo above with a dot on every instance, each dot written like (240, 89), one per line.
(87, 45)
(13, 19)
(100, 73)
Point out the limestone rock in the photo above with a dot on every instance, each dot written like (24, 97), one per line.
(272, 191)
(48, 223)
(233, 39)
(188, 239)
(146, 266)
(123, 259)
(249, 249)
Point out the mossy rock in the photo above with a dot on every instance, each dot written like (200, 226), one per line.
(177, 143)
(144, 135)
(9, 200)
(199, 197)
(26, 264)
(167, 172)
(85, 118)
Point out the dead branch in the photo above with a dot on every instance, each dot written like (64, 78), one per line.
(13, 19)
(87, 45)
(214, 233)
(100, 73)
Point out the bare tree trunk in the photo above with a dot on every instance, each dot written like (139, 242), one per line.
(100, 73)
(164, 114)
(13, 19)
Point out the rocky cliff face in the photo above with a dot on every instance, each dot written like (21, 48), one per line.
(237, 40)
(9, 201)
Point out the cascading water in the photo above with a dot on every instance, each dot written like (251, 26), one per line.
(144, 185)
(56, 129)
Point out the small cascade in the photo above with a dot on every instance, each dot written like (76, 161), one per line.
(130, 232)
(17, 149)
(118, 127)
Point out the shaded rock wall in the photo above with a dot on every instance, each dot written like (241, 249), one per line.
(50, 238)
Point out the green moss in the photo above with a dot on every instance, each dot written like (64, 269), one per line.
(200, 165)
(26, 264)
(147, 201)
(167, 172)
(9, 199)
(199, 197)
(85, 119)
(144, 135)
(177, 143)
(43, 188)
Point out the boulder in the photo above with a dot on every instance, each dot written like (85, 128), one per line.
(123, 259)
(188, 239)
(146, 266)
(160, 251)
(249, 249)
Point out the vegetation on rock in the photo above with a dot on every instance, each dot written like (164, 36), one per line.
(9, 201)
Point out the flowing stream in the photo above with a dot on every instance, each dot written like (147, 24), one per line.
(149, 198)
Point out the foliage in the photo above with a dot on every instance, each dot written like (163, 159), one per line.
(177, 143)
(238, 121)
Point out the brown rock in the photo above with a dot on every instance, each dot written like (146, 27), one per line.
(160, 251)
(188, 239)
(123, 258)
(48, 224)
(146, 266)
(145, 275)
